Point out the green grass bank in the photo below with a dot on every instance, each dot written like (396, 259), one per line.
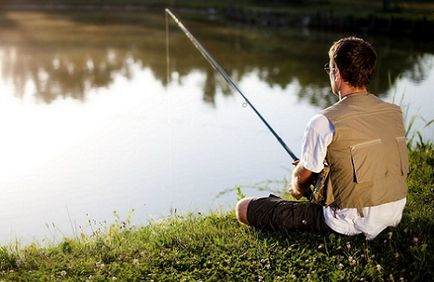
(215, 247)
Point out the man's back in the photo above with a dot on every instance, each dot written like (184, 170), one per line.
(368, 155)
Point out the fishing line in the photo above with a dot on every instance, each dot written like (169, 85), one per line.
(167, 51)
(226, 77)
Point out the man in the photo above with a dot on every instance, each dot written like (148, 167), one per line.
(361, 141)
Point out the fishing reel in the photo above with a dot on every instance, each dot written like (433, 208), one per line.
(317, 190)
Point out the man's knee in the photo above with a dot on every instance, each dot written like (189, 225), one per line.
(241, 210)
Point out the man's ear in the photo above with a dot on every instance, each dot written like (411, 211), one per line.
(337, 73)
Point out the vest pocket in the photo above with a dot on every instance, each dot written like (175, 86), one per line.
(403, 154)
(367, 161)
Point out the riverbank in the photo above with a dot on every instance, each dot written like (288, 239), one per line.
(215, 247)
(403, 19)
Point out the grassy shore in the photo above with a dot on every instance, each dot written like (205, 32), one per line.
(215, 247)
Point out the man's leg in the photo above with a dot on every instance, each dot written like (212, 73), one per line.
(241, 210)
(274, 213)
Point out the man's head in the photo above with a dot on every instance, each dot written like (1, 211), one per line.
(353, 59)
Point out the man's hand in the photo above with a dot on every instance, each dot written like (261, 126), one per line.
(295, 193)
(301, 180)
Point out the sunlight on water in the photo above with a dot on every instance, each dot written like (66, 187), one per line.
(135, 145)
(416, 98)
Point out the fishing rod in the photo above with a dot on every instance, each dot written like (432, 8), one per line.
(227, 78)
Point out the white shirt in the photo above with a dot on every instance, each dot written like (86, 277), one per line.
(317, 136)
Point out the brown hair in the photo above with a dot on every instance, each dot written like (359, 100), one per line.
(355, 58)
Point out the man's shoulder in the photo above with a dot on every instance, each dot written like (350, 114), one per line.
(318, 120)
(333, 110)
(357, 105)
(320, 124)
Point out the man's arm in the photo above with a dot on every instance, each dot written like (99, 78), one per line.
(301, 180)
(318, 135)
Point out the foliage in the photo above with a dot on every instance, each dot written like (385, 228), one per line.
(216, 248)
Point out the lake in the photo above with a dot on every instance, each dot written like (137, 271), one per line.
(94, 121)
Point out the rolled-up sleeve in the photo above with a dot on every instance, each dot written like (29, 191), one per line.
(317, 136)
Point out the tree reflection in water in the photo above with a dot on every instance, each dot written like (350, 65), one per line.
(66, 55)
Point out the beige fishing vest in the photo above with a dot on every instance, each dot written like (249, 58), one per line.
(368, 156)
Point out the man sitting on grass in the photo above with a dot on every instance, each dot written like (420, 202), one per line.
(361, 141)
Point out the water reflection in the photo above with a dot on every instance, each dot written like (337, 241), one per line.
(67, 55)
(422, 66)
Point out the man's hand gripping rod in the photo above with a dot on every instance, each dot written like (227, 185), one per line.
(228, 79)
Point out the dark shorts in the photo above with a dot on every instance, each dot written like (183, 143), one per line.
(274, 213)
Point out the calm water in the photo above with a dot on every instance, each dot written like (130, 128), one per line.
(90, 124)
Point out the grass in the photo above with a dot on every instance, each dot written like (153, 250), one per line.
(215, 247)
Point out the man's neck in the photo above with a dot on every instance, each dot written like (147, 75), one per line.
(351, 91)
